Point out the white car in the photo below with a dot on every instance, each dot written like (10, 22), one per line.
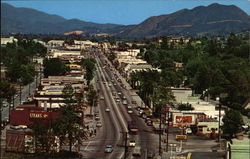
(107, 110)
(117, 100)
(101, 97)
(129, 107)
(132, 143)
(99, 124)
(188, 131)
(130, 111)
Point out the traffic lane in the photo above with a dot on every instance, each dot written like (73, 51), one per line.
(122, 107)
(115, 117)
(109, 125)
(105, 135)
(119, 116)
(140, 122)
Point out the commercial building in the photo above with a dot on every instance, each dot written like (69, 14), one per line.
(239, 148)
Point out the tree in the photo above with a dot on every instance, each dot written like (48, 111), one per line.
(69, 124)
(89, 66)
(162, 97)
(6, 90)
(54, 67)
(232, 123)
(92, 98)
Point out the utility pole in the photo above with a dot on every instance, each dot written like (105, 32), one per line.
(126, 147)
(160, 135)
(219, 122)
(218, 99)
(125, 144)
(20, 93)
(168, 127)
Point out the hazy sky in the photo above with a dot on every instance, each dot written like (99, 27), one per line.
(118, 11)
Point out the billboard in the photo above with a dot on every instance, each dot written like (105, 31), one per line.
(183, 119)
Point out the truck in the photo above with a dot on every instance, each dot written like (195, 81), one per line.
(132, 127)
(137, 151)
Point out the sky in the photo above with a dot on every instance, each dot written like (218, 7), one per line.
(118, 11)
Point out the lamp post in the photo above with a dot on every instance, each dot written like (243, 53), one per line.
(218, 99)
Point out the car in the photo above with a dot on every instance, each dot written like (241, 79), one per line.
(102, 98)
(117, 100)
(108, 149)
(132, 143)
(149, 123)
(119, 93)
(15, 127)
(97, 118)
(130, 111)
(188, 131)
(115, 84)
(124, 97)
(99, 124)
(107, 110)
(110, 85)
(129, 107)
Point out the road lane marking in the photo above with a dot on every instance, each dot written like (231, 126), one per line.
(87, 146)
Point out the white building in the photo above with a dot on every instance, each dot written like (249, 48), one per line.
(56, 43)
(11, 39)
(58, 53)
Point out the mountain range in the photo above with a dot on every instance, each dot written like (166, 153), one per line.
(210, 20)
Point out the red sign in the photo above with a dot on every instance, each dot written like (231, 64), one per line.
(183, 119)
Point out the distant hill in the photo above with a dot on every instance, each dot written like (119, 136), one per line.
(26, 20)
(211, 20)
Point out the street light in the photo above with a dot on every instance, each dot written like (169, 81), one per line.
(218, 99)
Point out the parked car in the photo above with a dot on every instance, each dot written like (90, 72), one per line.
(188, 131)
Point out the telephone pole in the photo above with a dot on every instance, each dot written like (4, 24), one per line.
(125, 144)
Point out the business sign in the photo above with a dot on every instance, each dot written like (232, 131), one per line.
(183, 119)
(39, 115)
(135, 90)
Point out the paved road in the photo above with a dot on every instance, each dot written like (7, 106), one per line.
(113, 125)
(144, 138)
